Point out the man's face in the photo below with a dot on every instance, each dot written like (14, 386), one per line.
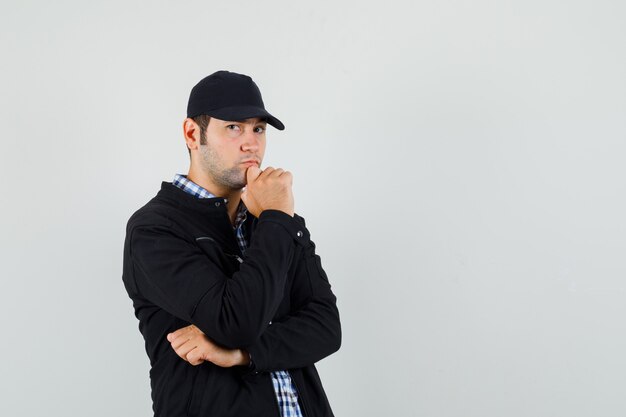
(232, 147)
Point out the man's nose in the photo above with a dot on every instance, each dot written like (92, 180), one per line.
(251, 142)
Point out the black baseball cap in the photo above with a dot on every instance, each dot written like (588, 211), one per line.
(227, 95)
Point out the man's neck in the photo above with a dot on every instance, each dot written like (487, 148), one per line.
(233, 197)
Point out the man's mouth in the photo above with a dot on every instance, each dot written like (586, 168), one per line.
(250, 162)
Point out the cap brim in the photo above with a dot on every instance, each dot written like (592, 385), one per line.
(238, 113)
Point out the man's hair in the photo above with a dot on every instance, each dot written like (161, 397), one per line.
(203, 122)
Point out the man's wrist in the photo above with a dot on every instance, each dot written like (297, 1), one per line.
(245, 359)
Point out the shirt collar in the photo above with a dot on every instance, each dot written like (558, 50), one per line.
(191, 187)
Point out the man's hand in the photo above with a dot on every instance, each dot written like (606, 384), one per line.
(269, 189)
(193, 346)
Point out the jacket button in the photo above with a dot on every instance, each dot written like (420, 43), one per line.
(217, 204)
(299, 233)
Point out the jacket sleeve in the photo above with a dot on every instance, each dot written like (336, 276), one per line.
(308, 334)
(179, 277)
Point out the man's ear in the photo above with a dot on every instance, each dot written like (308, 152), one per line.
(191, 131)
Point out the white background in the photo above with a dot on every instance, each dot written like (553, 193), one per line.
(460, 166)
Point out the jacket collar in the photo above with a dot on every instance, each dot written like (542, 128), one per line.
(179, 197)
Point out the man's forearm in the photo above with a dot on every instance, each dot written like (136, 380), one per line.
(300, 340)
(304, 336)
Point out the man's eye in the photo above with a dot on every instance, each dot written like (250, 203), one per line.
(259, 129)
(232, 127)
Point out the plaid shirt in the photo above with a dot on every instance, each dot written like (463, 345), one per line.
(285, 390)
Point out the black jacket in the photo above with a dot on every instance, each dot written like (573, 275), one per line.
(182, 265)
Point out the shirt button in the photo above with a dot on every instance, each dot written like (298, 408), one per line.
(217, 204)
(299, 234)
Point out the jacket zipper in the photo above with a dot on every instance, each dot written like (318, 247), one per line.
(235, 256)
(275, 397)
(239, 259)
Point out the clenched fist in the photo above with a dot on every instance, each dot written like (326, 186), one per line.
(269, 189)
(192, 345)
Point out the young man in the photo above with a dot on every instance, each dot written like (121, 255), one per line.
(232, 300)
